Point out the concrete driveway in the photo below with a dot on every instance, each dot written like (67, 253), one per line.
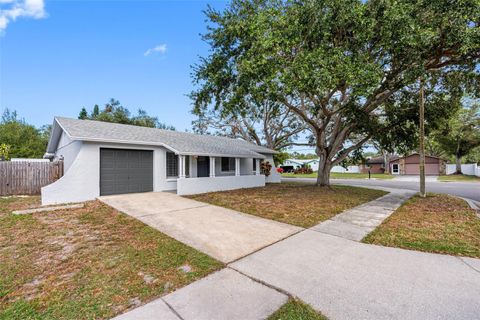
(224, 234)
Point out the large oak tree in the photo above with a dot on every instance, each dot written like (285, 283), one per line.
(342, 66)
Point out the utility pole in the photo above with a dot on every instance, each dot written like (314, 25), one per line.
(423, 194)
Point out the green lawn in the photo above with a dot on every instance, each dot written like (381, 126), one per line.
(88, 263)
(296, 310)
(459, 177)
(337, 175)
(437, 223)
(303, 205)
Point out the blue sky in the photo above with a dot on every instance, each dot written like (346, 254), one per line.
(78, 53)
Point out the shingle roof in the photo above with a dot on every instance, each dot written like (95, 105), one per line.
(375, 160)
(179, 142)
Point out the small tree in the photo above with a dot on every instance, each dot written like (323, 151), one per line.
(461, 134)
(4, 152)
(83, 114)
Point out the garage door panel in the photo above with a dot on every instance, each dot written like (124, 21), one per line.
(125, 171)
(432, 168)
(414, 168)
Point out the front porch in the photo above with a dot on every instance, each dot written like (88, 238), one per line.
(201, 174)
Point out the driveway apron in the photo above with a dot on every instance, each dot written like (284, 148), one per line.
(224, 234)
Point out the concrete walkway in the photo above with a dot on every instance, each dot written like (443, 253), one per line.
(343, 279)
(224, 234)
(225, 294)
(356, 223)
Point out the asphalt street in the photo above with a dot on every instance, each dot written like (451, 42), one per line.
(469, 190)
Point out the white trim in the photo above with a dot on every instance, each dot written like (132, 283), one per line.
(181, 166)
(398, 168)
(237, 167)
(212, 167)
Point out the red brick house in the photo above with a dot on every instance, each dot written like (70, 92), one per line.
(376, 165)
(410, 165)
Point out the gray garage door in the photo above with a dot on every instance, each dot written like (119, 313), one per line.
(125, 171)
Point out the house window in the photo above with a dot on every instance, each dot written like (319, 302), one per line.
(254, 167)
(228, 164)
(172, 164)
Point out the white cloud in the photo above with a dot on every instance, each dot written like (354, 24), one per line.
(10, 10)
(161, 49)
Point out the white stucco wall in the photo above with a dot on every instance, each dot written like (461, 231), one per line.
(186, 186)
(81, 182)
(68, 150)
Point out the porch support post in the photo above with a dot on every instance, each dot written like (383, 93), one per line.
(212, 167)
(181, 166)
(237, 166)
(257, 167)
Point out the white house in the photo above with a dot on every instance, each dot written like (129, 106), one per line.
(298, 163)
(102, 158)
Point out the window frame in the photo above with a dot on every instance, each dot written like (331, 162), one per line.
(167, 163)
(231, 164)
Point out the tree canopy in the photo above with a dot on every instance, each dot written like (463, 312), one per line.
(460, 134)
(348, 69)
(114, 111)
(21, 139)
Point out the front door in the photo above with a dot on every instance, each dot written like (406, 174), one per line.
(395, 168)
(203, 166)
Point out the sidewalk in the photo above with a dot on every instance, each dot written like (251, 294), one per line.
(356, 223)
(343, 279)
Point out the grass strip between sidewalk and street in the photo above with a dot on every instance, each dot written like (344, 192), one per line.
(87, 263)
(296, 310)
(437, 223)
(303, 205)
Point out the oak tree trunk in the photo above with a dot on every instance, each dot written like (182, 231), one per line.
(324, 167)
(458, 164)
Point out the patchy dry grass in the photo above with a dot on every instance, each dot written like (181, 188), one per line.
(89, 263)
(340, 175)
(303, 205)
(11, 203)
(296, 310)
(438, 223)
(459, 178)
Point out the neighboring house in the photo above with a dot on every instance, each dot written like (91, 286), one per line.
(102, 158)
(411, 165)
(375, 165)
(299, 163)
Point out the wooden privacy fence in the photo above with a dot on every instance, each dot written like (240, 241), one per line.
(27, 177)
